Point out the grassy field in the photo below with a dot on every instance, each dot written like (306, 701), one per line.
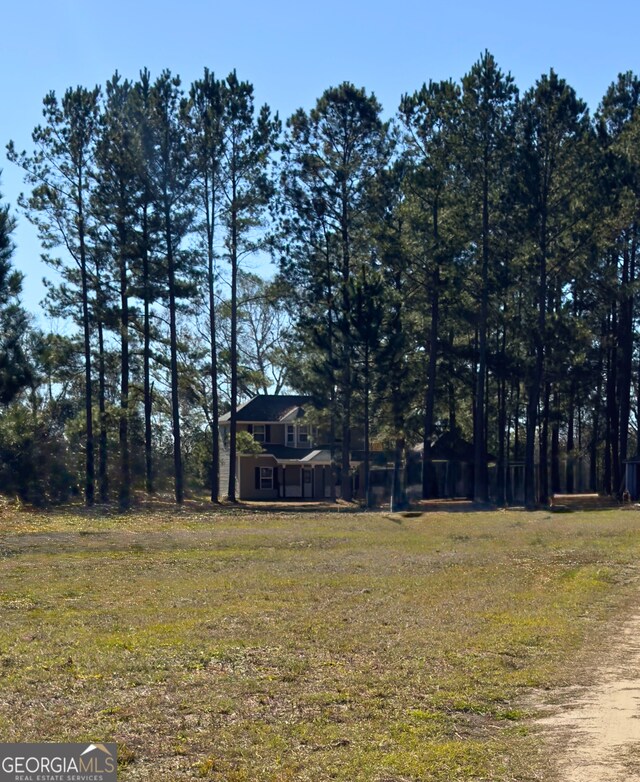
(291, 647)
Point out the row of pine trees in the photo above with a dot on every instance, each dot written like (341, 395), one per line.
(468, 265)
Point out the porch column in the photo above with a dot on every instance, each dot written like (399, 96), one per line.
(284, 481)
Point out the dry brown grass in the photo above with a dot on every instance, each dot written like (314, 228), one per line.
(237, 645)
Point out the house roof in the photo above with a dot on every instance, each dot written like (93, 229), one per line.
(266, 408)
(322, 455)
(451, 447)
(376, 458)
(284, 453)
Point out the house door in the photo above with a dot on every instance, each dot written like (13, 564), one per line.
(293, 481)
(307, 482)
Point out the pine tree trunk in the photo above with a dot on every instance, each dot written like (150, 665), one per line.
(613, 445)
(543, 456)
(501, 483)
(173, 344)
(367, 466)
(451, 391)
(346, 440)
(125, 468)
(103, 476)
(511, 418)
(398, 494)
(480, 487)
(332, 438)
(333, 429)
(637, 451)
(501, 478)
(346, 380)
(537, 379)
(516, 421)
(530, 493)
(625, 342)
(571, 442)
(609, 410)
(147, 390)
(234, 350)
(595, 429)
(430, 390)
(215, 407)
(593, 458)
(86, 328)
(556, 484)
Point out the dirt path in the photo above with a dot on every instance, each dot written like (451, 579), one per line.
(597, 728)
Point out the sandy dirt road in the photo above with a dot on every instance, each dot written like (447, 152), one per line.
(595, 730)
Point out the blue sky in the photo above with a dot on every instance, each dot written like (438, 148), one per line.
(292, 51)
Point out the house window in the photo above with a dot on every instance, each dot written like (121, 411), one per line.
(291, 435)
(266, 477)
(259, 433)
(303, 434)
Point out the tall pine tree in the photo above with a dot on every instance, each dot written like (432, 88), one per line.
(61, 172)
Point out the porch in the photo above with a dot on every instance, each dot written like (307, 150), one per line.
(265, 477)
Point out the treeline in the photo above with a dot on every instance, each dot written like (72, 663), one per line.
(469, 265)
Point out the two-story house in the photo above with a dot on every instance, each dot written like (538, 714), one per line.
(292, 465)
(295, 462)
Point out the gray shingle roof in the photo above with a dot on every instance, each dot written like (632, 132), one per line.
(284, 453)
(266, 408)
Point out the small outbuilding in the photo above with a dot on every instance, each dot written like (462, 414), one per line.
(452, 460)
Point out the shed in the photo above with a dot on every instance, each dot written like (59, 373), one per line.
(453, 459)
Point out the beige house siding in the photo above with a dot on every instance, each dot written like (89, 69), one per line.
(247, 473)
(276, 431)
(277, 434)
(223, 485)
(292, 474)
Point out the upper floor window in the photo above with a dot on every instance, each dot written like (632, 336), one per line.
(291, 434)
(259, 433)
(303, 434)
